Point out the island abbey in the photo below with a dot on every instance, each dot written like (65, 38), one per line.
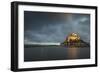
(74, 39)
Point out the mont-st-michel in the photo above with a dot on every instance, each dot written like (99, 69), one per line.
(74, 39)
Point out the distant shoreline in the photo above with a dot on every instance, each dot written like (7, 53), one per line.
(33, 43)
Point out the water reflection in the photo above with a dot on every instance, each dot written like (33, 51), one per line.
(43, 53)
(73, 52)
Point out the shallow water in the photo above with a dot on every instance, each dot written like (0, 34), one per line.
(43, 53)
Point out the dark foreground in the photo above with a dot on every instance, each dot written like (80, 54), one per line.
(44, 53)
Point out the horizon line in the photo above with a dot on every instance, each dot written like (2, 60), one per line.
(42, 43)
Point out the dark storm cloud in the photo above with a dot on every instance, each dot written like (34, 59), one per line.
(54, 27)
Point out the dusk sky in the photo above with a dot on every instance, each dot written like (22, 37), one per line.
(54, 27)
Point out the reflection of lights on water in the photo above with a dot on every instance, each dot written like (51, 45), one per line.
(73, 52)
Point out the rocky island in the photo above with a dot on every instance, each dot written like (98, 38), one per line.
(74, 39)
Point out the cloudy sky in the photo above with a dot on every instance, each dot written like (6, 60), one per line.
(54, 27)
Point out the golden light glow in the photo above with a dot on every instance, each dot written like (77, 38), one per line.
(72, 52)
(73, 37)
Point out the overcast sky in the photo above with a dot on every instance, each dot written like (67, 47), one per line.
(54, 27)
